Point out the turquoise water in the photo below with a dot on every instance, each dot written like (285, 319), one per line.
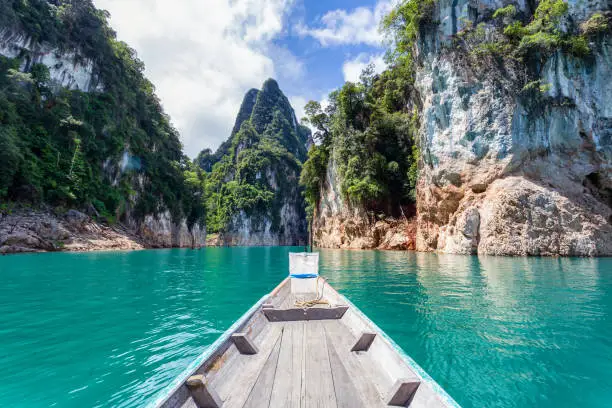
(110, 329)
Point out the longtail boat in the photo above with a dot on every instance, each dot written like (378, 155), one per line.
(303, 345)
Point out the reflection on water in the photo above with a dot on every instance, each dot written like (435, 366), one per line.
(110, 329)
(495, 332)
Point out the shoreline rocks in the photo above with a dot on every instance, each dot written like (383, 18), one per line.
(41, 230)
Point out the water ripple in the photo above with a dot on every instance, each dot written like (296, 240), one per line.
(495, 332)
(111, 329)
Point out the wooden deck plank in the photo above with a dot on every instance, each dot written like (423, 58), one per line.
(288, 302)
(388, 359)
(298, 362)
(190, 403)
(281, 387)
(262, 390)
(235, 382)
(341, 339)
(229, 363)
(364, 341)
(244, 344)
(347, 395)
(426, 397)
(202, 393)
(288, 381)
(318, 382)
(218, 368)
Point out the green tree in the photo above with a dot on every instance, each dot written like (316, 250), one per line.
(10, 157)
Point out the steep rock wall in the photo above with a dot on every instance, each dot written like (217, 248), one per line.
(161, 232)
(255, 198)
(509, 175)
(68, 69)
(339, 224)
(35, 230)
(283, 227)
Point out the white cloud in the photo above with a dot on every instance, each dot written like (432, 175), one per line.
(298, 103)
(291, 67)
(357, 26)
(204, 55)
(352, 69)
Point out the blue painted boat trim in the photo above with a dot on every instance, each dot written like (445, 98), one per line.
(161, 397)
(418, 370)
(304, 276)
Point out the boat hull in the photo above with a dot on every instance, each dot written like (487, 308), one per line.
(281, 354)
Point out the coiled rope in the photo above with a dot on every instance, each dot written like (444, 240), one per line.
(318, 300)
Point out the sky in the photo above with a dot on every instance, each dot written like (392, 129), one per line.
(204, 55)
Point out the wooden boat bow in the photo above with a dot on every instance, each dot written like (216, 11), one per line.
(327, 354)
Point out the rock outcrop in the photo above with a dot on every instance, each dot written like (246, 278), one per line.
(256, 199)
(339, 224)
(27, 230)
(161, 232)
(67, 69)
(34, 231)
(510, 174)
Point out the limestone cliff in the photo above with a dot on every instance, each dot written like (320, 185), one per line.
(67, 69)
(506, 170)
(338, 223)
(514, 133)
(81, 129)
(253, 195)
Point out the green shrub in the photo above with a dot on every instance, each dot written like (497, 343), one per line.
(505, 12)
(539, 41)
(596, 24)
(543, 35)
(538, 86)
(404, 21)
(578, 46)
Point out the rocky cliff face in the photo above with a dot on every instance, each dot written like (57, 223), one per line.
(339, 224)
(507, 173)
(253, 195)
(281, 223)
(516, 151)
(161, 232)
(67, 69)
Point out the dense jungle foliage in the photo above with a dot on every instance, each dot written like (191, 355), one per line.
(368, 133)
(368, 130)
(252, 171)
(112, 151)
